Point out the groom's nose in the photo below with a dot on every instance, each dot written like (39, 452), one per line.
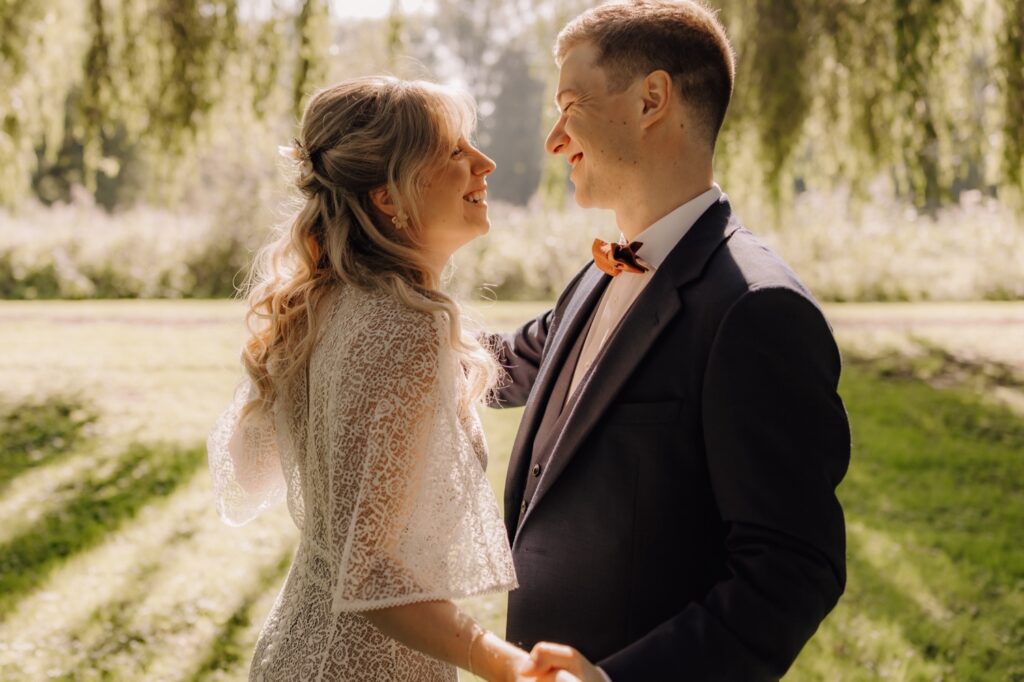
(557, 139)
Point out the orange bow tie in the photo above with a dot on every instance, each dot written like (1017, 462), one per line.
(615, 258)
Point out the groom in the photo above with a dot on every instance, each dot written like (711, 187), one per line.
(671, 491)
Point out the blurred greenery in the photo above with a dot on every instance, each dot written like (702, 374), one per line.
(878, 146)
(126, 96)
(231, 650)
(933, 498)
(116, 567)
(973, 251)
(38, 430)
(100, 504)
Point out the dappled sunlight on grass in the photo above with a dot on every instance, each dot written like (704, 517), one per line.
(196, 601)
(229, 652)
(39, 491)
(141, 581)
(934, 503)
(912, 611)
(38, 432)
(109, 497)
(161, 370)
(883, 553)
(151, 598)
(72, 611)
(854, 647)
(976, 346)
(123, 607)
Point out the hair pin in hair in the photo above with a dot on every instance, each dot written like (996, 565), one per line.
(296, 152)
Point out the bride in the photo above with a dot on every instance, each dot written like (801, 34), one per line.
(358, 403)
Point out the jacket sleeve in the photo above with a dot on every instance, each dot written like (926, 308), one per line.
(520, 352)
(777, 444)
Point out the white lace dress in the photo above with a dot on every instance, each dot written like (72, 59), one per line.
(385, 481)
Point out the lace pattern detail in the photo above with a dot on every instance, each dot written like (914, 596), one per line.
(385, 480)
(244, 462)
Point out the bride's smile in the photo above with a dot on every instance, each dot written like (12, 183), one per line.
(454, 205)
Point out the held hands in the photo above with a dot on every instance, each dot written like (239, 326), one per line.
(501, 661)
(558, 663)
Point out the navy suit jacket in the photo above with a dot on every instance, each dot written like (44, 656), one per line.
(676, 518)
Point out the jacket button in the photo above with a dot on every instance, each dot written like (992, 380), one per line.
(536, 470)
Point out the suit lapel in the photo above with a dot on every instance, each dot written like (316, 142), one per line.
(573, 320)
(657, 305)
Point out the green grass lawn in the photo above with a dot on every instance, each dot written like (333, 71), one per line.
(113, 564)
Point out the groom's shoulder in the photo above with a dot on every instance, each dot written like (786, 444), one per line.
(745, 274)
(745, 263)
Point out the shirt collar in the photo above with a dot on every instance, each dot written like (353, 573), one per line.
(660, 237)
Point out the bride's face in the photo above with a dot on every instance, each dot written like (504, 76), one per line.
(454, 202)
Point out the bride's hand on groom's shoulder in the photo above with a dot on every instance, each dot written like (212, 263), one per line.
(551, 662)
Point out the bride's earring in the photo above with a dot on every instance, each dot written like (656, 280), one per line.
(400, 220)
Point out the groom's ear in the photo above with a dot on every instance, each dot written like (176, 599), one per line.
(383, 202)
(655, 93)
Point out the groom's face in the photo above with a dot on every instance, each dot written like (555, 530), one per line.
(596, 130)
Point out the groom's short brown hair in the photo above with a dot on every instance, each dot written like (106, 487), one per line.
(684, 39)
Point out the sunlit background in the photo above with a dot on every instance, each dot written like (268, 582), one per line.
(879, 146)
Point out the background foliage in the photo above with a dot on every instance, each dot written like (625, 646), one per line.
(890, 254)
(151, 126)
(927, 93)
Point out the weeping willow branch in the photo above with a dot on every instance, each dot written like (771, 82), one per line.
(98, 100)
(829, 93)
(313, 28)
(39, 39)
(395, 40)
(778, 73)
(265, 64)
(1011, 61)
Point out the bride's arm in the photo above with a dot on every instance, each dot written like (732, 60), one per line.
(423, 527)
(244, 461)
(441, 630)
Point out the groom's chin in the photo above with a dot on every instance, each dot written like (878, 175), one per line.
(588, 202)
(582, 199)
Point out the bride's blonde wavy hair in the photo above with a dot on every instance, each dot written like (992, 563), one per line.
(357, 136)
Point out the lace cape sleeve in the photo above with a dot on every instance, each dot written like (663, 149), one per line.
(244, 461)
(423, 523)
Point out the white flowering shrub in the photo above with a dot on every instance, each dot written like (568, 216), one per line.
(80, 251)
(974, 251)
(888, 253)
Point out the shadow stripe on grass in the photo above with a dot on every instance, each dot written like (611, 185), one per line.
(965, 642)
(143, 474)
(116, 617)
(227, 652)
(940, 475)
(941, 464)
(37, 432)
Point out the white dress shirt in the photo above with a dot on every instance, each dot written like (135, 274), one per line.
(658, 241)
